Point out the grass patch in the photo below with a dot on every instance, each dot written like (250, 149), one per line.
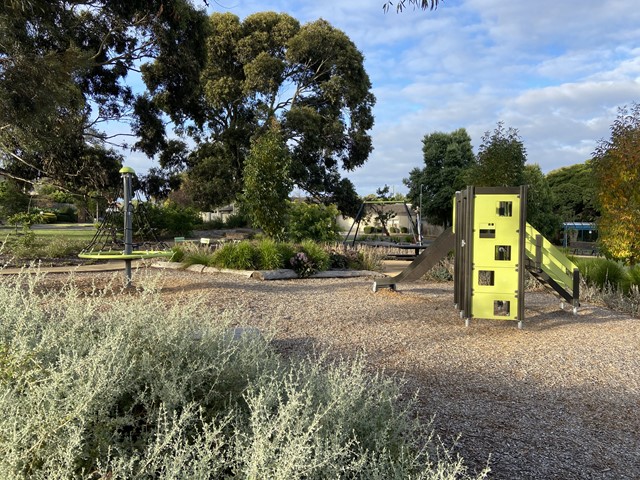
(52, 232)
(29, 246)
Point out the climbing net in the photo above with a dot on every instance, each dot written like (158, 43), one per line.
(108, 242)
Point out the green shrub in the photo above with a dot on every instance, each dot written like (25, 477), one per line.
(25, 245)
(317, 254)
(338, 260)
(345, 258)
(178, 253)
(138, 388)
(59, 196)
(287, 250)
(197, 258)
(67, 214)
(368, 230)
(394, 230)
(632, 279)
(26, 220)
(404, 230)
(246, 256)
(634, 275)
(312, 221)
(222, 257)
(237, 220)
(370, 258)
(170, 219)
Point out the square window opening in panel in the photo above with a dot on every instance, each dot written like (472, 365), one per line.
(503, 252)
(487, 230)
(505, 209)
(486, 278)
(501, 308)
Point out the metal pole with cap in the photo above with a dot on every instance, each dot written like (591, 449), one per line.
(127, 175)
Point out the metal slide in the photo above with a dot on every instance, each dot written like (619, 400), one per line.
(424, 262)
(552, 268)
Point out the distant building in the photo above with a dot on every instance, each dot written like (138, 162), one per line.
(222, 214)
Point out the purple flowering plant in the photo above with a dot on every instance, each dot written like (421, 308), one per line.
(302, 265)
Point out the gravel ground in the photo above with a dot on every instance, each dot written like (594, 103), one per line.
(559, 399)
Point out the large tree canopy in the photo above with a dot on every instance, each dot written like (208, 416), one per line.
(309, 78)
(500, 160)
(574, 193)
(447, 156)
(62, 75)
(616, 163)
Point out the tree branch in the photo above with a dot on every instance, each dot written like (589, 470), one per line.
(422, 4)
(19, 158)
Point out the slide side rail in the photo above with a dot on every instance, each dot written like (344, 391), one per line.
(550, 259)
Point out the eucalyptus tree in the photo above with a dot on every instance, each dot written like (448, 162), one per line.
(63, 77)
(402, 4)
(309, 78)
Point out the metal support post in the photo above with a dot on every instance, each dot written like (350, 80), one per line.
(127, 174)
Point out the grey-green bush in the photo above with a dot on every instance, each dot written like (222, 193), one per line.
(100, 384)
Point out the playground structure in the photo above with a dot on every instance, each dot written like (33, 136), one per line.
(362, 214)
(110, 242)
(493, 247)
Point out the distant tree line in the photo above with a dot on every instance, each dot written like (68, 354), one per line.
(604, 189)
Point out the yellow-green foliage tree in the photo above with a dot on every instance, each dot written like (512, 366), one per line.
(617, 167)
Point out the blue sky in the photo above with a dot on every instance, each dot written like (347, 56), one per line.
(555, 70)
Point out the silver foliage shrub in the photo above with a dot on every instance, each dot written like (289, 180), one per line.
(107, 385)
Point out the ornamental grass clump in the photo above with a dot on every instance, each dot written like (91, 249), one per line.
(107, 384)
(238, 256)
(270, 254)
(602, 273)
(196, 258)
